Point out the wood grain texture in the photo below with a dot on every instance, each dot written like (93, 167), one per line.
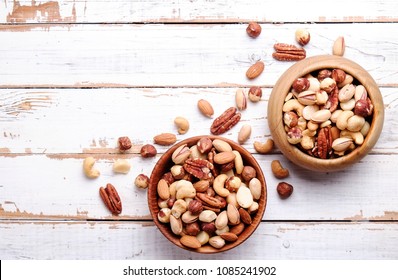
(46, 188)
(130, 240)
(181, 55)
(121, 11)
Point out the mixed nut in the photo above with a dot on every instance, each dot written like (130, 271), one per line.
(208, 195)
(327, 114)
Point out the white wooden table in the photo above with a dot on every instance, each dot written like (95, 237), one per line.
(76, 75)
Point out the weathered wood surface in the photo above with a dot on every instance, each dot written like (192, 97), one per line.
(131, 240)
(71, 11)
(76, 75)
(180, 55)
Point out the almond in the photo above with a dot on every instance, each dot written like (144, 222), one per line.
(255, 70)
(205, 108)
(165, 139)
(190, 242)
(224, 157)
(163, 189)
(245, 216)
(229, 236)
(238, 229)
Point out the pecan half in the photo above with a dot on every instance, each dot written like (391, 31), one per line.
(333, 100)
(324, 141)
(287, 52)
(209, 200)
(225, 121)
(200, 168)
(111, 199)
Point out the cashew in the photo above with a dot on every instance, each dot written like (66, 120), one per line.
(238, 161)
(342, 119)
(278, 171)
(307, 142)
(182, 125)
(121, 166)
(293, 105)
(264, 148)
(219, 185)
(88, 169)
(356, 136)
(185, 189)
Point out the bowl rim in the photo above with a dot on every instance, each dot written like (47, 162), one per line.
(165, 229)
(282, 88)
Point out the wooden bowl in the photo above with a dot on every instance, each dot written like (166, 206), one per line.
(282, 88)
(163, 165)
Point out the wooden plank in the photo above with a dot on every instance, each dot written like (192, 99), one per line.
(87, 121)
(181, 55)
(129, 240)
(46, 187)
(70, 11)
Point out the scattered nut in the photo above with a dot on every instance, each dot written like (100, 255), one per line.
(88, 169)
(111, 199)
(165, 139)
(284, 190)
(124, 143)
(255, 70)
(278, 171)
(182, 124)
(148, 151)
(302, 36)
(253, 29)
(255, 93)
(339, 46)
(205, 108)
(121, 166)
(244, 133)
(142, 181)
(240, 99)
(264, 148)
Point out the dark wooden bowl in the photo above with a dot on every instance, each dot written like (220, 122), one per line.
(282, 88)
(163, 165)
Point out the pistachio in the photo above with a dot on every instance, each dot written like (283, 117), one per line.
(207, 216)
(240, 99)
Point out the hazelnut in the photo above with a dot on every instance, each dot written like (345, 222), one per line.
(323, 74)
(148, 150)
(284, 190)
(142, 181)
(253, 29)
(338, 75)
(168, 177)
(248, 173)
(255, 94)
(210, 227)
(124, 143)
(195, 207)
(302, 36)
(363, 107)
(204, 145)
(301, 84)
(192, 228)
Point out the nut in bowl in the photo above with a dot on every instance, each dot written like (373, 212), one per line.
(207, 194)
(325, 113)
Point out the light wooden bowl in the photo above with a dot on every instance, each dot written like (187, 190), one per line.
(282, 88)
(163, 165)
